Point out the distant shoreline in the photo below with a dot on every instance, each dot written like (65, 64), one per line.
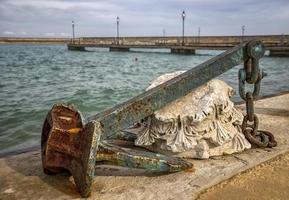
(12, 40)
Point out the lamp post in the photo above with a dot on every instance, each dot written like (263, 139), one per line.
(73, 35)
(243, 32)
(117, 30)
(183, 17)
(164, 35)
(199, 35)
(282, 39)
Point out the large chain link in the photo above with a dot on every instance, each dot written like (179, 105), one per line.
(252, 74)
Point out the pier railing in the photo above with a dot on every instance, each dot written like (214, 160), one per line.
(268, 40)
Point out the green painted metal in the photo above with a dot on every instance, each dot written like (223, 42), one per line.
(143, 105)
(112, 152)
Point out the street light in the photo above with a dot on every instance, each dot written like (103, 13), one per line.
(199, 34)
(117, 29)
(183, 17)
(243, 32)
(164, 33)
(73, 35)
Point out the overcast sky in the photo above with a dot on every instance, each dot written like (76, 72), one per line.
(52, 18)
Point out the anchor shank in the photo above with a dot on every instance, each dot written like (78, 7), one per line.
(143, 105)
(111, 154)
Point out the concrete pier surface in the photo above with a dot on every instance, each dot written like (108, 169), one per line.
(21, 175)
(268, 180)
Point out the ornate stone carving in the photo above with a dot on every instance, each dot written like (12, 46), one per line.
(201, 124)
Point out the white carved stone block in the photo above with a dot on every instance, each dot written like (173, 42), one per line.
(201, 124)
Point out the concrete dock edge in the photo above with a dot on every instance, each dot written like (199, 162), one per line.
(21, 175)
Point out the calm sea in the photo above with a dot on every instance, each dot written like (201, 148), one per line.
(34, 77)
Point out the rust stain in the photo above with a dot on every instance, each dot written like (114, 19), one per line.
(190, 170)
(74, 131)
(65, 118)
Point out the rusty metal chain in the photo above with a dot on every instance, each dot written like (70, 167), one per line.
(252, 74)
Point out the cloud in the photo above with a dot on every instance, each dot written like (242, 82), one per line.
(49, 34)
(143, 17)
(65, 34)
(8, 33)
(64, 5)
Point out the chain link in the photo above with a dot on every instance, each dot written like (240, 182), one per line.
(250, 106)
(252, 74)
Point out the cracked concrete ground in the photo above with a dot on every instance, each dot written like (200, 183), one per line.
(21, 176)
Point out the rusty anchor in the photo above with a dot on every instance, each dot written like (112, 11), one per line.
(70, 145)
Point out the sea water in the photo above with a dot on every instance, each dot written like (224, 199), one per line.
(34, 77)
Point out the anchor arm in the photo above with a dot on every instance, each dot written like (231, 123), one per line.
(112, 154)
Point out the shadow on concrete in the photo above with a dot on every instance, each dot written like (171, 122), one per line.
(29, 165)
(272, 111)
(28, 175)
(109, 170)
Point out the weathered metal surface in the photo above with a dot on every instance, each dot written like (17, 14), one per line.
(252, 74)
(111, 152)
(143, 105)
(69, 145)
